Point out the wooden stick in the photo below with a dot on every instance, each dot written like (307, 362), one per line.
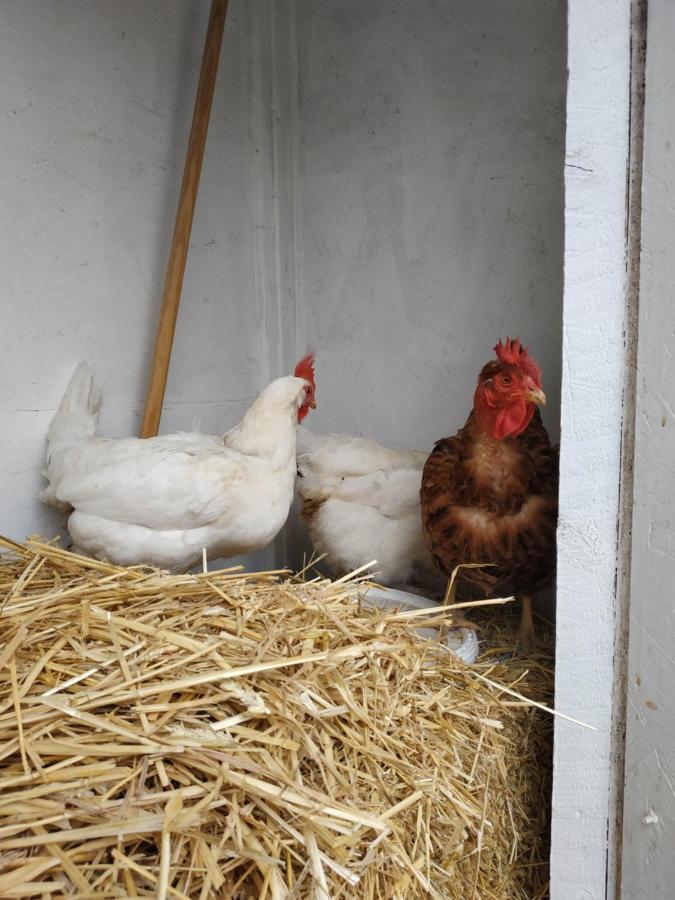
(175, 269)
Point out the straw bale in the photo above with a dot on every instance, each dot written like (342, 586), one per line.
(256, 735)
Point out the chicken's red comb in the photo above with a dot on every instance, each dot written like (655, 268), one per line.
(305, 369)
(512, 352)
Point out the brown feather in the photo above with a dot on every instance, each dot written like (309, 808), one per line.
(310, 507)
(489, 501)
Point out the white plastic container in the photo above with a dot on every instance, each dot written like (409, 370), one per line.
(460, 641)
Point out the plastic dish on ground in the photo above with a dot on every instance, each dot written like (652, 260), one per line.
(460, 641)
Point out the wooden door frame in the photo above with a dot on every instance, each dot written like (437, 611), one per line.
(603, 175)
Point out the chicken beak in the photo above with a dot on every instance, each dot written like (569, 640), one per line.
(536, 396)
(311, 404)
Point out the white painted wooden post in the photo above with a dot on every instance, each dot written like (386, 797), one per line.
(594, 375)
(648, 863)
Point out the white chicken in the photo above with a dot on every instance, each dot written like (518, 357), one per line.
(161, 500)
(361, 501)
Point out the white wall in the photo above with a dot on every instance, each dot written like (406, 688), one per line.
(429, 205)
(648, 864)
(97, 107)
(380, 183)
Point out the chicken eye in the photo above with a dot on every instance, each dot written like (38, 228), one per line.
(506, 379)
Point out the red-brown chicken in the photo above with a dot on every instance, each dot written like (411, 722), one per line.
(490, 493)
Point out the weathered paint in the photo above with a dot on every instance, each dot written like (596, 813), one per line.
(648, 864)
(626, 488)
(594, 374)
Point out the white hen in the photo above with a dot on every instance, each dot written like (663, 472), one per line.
(161, 500)
(361, 501)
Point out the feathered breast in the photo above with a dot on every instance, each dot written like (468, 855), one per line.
(488, 501)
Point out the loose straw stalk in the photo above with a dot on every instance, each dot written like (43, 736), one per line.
(251, 735)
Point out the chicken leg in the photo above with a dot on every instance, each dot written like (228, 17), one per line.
(526, 637)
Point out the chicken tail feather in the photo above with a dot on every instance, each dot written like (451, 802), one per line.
(74, 423)
(77, 418)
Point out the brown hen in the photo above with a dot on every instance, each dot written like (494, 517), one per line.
(490, 493)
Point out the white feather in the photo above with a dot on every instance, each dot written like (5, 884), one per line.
(162, 500)
(370, 507)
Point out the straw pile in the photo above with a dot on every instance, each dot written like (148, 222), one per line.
(240, 736)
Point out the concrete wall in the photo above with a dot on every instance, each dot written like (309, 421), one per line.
(429, 205)
(380, 183)
(97, 109)
(648, 864)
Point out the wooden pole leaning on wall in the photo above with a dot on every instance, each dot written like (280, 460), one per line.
(175, 270)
